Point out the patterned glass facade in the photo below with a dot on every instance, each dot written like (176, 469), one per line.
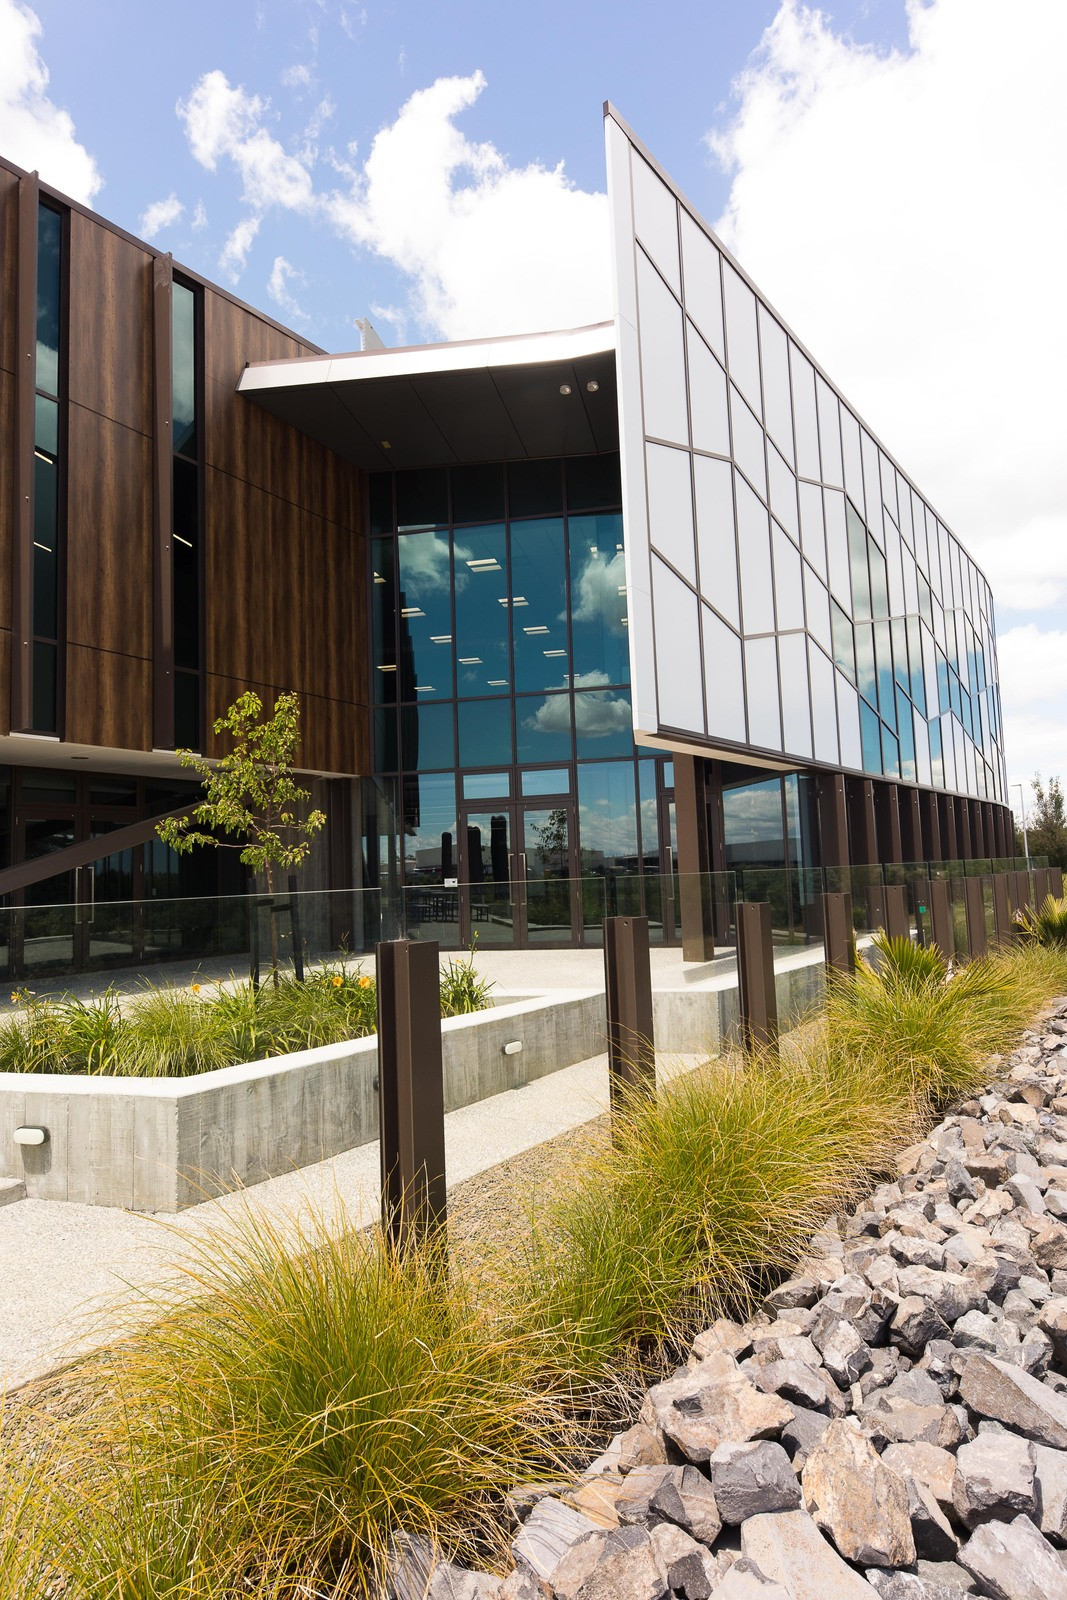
(792, 594)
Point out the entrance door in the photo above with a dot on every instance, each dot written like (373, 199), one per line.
(46, 936)
(518, 877)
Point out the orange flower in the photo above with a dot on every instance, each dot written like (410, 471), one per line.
(337, 982)
(364, 983)
(195, 988)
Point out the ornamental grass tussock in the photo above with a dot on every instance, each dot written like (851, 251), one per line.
(269, 1433)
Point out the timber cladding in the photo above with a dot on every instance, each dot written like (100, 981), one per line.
(283, 577)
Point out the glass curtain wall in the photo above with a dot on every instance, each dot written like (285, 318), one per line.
(50, 383)
(501, 682)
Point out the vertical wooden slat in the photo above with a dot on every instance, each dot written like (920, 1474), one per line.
(974, 903)
(941, 922)
(163, 507)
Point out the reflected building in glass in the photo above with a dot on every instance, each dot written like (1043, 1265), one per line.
(569, 613)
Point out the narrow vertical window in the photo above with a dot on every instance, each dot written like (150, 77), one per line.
(47, 473)
(187, 540)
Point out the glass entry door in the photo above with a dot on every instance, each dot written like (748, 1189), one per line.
(517, 875)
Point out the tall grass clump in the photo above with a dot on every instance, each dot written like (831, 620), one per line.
(1045, 924)
(318, 1392)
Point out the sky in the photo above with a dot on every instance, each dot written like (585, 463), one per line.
(889, 172)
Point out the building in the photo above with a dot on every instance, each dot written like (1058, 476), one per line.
(567, 612)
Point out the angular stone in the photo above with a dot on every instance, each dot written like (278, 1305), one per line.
(781, 1344)
(1052, 1319)
(638, 1489)
(1013, 1561)
(623, 1565)
(746, 1581)
(548, 1535)
(978, 1331)
(930, 1527)
(595, 1499)
(891, 1419)
(789, 1549)
(794, 1292)
(457, 1583)
(961, 1185)
(687, 1499)
(994, 1478)
(992, 1170)
(1025, 1193)
(798, 1384)
(723, 1335)
(521, 1584)
(993, 1388)
(1049, 1247)
(857, 1500)
(800, 1436)
(950, 1294)
(698, 1415)
(845, 1355)
(748, 1479)
(689, 1566)
(1050, 1477)
(915, 1323)
(909, 1586)
(927, 1464)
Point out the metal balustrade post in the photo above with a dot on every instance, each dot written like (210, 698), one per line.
(838, 943)
(411, 1108)
(628, 997)
(974, 904)
(1055, 882)
(1003, 907)
(757, 1000)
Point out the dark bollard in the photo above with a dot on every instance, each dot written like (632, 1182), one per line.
(838, 943)
(757, 1001)
(941, 923)
(253, 941)
(628, 994)
(974, 905)
(411, 1105)
(1003, 907)
(294, 924)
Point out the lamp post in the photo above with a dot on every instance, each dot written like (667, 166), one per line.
(1022, 820)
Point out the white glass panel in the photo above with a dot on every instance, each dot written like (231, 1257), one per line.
(707, 397)
(670, 506)
(681, 699)
(872, 487)
(796, 708)
(742, 348)
(823, 705)
(761, 685)
(804, 414)
(817, 605)
(922, 751)
(754, 551)
(662, 357)
(848, 723)
(783, 488)
(703, 289)
(656, 221)
(748, 443)
(837, 548)
(725, 680)
(812, 529)
(778, 409)
(829, 432)
(911, 581)
(788, 591)
(893, 567)
(888, 478)
(850, 441)
(715, 536)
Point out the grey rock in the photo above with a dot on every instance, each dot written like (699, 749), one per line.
(950, 1293)
(748, 1479)
(993, 1388)
(1013, 1561)
(859, 1501)
(994, 1478)
(1050, 1475)
(794, 1292)
(798, 1384)
(723, 1335)
(697, 1413)
(927, 1464)
(789, 1549)
(800, 1436)
(639, 1488)
(521, 1584)
(909, 1586)
(915, 1323)
(1052, 1320)
(416, 1572)
(947, 1574)
(689, 1566)
(930, 1527)
(1056, 1202)
(687, 1499)
(1049, 1247)
(891, 1419)
(746, 1581)
(639, 1446)
(549, 1533)
(845, 1355)
(961, 1185)
(1025, 1193)
(978, 1331)
(620, 1565)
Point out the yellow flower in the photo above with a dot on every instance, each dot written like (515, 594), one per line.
(364, 983)
(195, 988)
(337, 982)
(15, 997)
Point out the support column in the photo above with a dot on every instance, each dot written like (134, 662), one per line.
(833, 819)
(628, 998)
(163, 506)
(931, 821)
(963, 828)
(838, 944)
(756, 996)
(911, 825)
(694, 859)
(411, 1091)
(863, 829)
(887, 815)
(949, 837)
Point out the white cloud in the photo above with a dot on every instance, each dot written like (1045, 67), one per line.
(283, 273)
(297, 77)
(492, 248)
(239, 242)
(159, 215)
(35, 133)
(1032, 666)
(904, 211)
(199, 217)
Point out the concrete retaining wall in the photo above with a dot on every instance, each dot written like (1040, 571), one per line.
(161, 1144)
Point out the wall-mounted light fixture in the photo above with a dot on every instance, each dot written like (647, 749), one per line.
(38, 1135)
(513, 1047)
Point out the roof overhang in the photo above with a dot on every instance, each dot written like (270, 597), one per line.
(533, 395)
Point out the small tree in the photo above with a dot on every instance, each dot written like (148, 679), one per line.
(251, 794)
(1047, 823)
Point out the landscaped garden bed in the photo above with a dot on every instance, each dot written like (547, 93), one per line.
(275, 1430)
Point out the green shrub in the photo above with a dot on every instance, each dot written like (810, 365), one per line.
(1047, 924)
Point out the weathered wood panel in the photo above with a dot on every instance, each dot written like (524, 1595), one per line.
(7, 452)
(109, 543)
(252, 583)
(110, 324)
(109, 699)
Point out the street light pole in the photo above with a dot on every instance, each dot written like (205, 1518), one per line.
(1022, 820)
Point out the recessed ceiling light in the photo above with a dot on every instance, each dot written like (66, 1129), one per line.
(440, 638)
(540, 628)
(554, 652)
(378, 578)
(520, 600)
(564, 388)
(484, 564)
(412, 611)
(425, 688)
(592, 386)
(470, 661)
(497, 683)
(387, 668)
(386, 445)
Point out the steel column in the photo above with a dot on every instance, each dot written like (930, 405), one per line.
(411, 1109)
(694, 862)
